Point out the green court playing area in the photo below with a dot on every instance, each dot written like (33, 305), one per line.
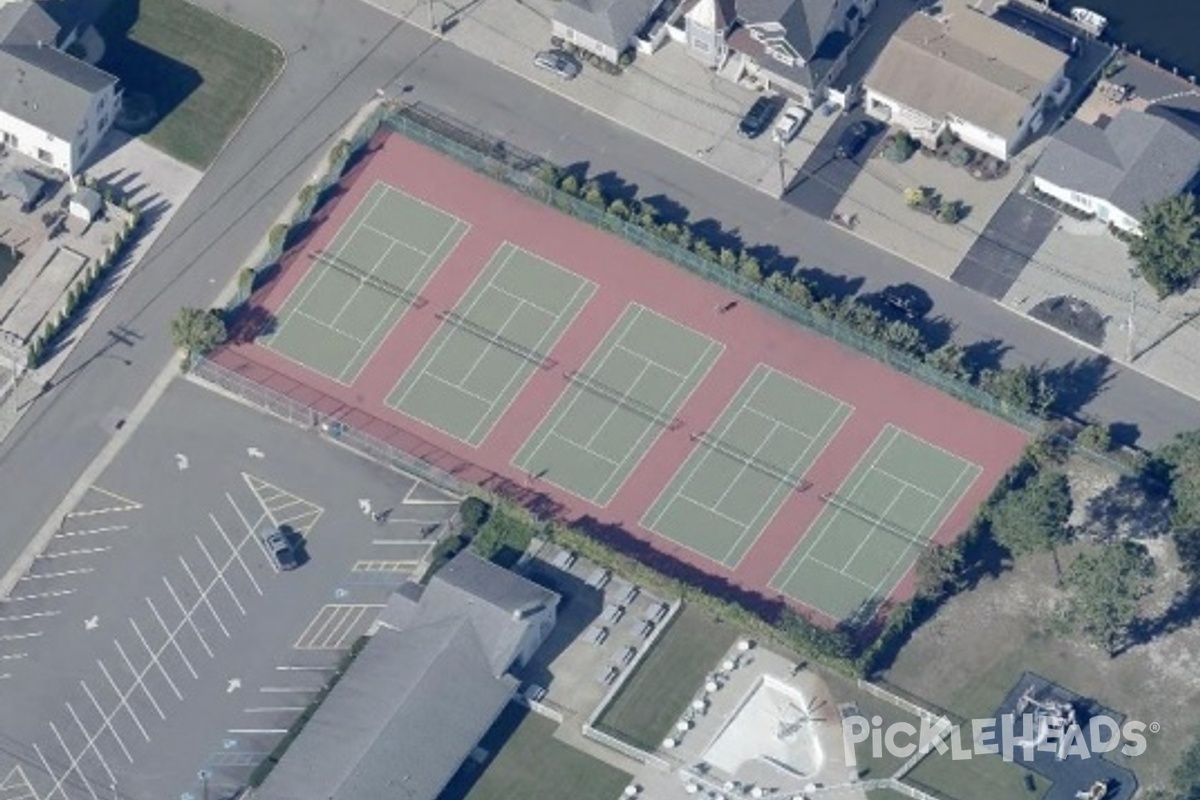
(875, 525)
(488, 346)
(743, 469)
(361, 285)
(615, 407)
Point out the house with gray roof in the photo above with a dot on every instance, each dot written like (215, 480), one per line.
(795, 47)
(423, 691)
(1114, 171)
(54, 107)
(962, 72)
(604, 27)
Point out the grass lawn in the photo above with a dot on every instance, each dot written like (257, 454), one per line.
(886, 794)
(203, 73)
(870, 766)
(531, 764)
(667, 679)
(984, 777)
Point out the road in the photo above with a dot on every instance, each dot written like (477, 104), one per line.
(338, 55)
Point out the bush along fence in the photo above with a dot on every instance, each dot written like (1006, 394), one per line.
(80, 291)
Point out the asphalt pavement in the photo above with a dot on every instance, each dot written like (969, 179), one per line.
(155, 649)
(338, 55)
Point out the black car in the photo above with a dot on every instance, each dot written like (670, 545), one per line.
(283, 547)
(852, 140)
(758, 117)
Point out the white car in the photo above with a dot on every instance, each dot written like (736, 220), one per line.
(789, 124)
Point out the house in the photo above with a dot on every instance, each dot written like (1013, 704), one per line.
(796, 47)
(1136, 159)
(604, 27)
(423, 691)
(54, 107)
(966, 74)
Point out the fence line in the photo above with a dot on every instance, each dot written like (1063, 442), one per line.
(624, 748)
(897, 700)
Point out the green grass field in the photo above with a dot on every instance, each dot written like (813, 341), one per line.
(984, 777)
(532, 764)
(203, 73)
(672, 672)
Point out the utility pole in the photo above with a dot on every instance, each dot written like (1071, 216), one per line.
(433, 26)
(782, 169)
(1129, 323)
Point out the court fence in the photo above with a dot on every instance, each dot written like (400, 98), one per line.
(307, 415)
(527, 173)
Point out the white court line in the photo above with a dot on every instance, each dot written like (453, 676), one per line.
(642, 357)
(837, 571)
(179, 648)
(63, 745)
(40, 595)
(328, 326)
(92, 531)
(145, 689)
(192, 620)
(154, 661)
(65, 573)
(908, 484)
(584, 449)
(362, 284)
(487, 350)
(368, 226)
(875, 526)
(619, 406)
(456, 387)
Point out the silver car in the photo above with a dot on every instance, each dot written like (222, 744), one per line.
(560, 62)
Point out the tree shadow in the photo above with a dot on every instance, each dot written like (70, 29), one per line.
(984, 355)
(1077, 383)
(614, 187)
(578, 171)
(711, 231)
(1128, 508)
(1124, 434)
(771, 260)
(1182, 612)
(140, 68)
(249, 323)
(666, 210)
(826, 284)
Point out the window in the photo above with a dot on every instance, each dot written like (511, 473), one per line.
(10, 139)
(700, 44)
(45, 155)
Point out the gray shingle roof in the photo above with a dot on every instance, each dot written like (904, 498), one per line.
(21, 185)
(48, 89)
(610, 22)
(805, 22)
(26, 23)
(1138, 159)
(399, 723)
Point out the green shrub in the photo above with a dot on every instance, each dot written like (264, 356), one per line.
(626, 58)
(727, 258)
(749, 268)
(619, 209)
(474, 513)
(277, 235)
(951, 212)
(704, 250)
(549, 174)
(570, 185)
(307, 195)
(339, 154)
(901, 148)
(961, 156)
(1096, 437)
(504, 536)
(592, 195)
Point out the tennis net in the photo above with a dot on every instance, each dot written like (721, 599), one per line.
(750, 461)
(854, 509)
(491, 337)
(622, 400)
(345, 267)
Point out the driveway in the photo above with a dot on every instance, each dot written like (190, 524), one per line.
(1006, 245)
(823, 180)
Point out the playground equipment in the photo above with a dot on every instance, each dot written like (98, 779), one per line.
(1097, 791)
(1050, 717)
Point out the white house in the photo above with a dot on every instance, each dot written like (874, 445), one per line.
(53, 107)
(967, 74)
(797, 47)
(1114, 171)
(605, 27)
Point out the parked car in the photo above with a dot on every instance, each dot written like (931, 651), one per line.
(284, 548)
(758, 117)
(852, 140)
(560, 62)
(789, 123)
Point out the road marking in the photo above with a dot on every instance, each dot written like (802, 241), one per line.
(246, 759)
(175, 640)
(275, 500)
(181, 461)
(145, 690)
(408, 501)
(236, 551)
(306, 669)
(34, 615)
(13, 656)
(290, 689)
(62, 744)
(92, 531)
(192, 619)
(46, 766)
(67, 553)
(41, 595)
(267, 709)
(233, 685)
(47, 575)
(16, 781)
(254, 452)
(257, 730)
(126, 504)
(383, 566)
(332, 625)
(213, 564)
(13, 637)
(155, 662)
(91, 623)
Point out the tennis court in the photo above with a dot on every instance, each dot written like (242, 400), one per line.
(744, 468)
(873, 528)
(359, 287)
(614, 408)
(490, 344)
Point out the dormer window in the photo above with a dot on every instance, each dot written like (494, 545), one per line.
(781, 56)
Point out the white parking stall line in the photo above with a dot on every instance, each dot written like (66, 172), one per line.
(13, 637)
(34, 615)
(13, 656)
(216, 571)
(252, 530)
(306, 669)
(41, 576)
(345, 630)
(191, 620)
(86, 551)
(236, 551)
(5, 676)
(113, 730)
(250, 731)
(290, 689)
(154, 662)
(100, 709)
(187, 662)
(57, 780)
(83, 776)
(92, 531)
(41, 595)
(99, 757)
(333, 618)
(270, 709)
(145, 689)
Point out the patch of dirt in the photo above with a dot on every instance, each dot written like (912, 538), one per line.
(1109, 506)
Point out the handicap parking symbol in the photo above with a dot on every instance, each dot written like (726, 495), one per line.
(229, 744)
(340, 593)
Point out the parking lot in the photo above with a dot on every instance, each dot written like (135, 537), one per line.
(154, 649)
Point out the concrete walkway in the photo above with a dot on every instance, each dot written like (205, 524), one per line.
(667, 97)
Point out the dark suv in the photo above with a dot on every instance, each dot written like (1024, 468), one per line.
(852, 140)
(758, 117)
(283, 547)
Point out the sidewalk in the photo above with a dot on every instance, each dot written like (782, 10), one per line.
(667, 97)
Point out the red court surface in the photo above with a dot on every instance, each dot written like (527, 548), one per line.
(624, 274)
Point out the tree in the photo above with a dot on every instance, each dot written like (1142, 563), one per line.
(1179, 463)
(1022, 387)
(1106, 584)
(1168, 251)
(938, 570)
(1033, 517)
(1096, 437)
(950, 359)
(196, 331)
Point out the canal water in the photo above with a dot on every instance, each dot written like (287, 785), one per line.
(1168, 30)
